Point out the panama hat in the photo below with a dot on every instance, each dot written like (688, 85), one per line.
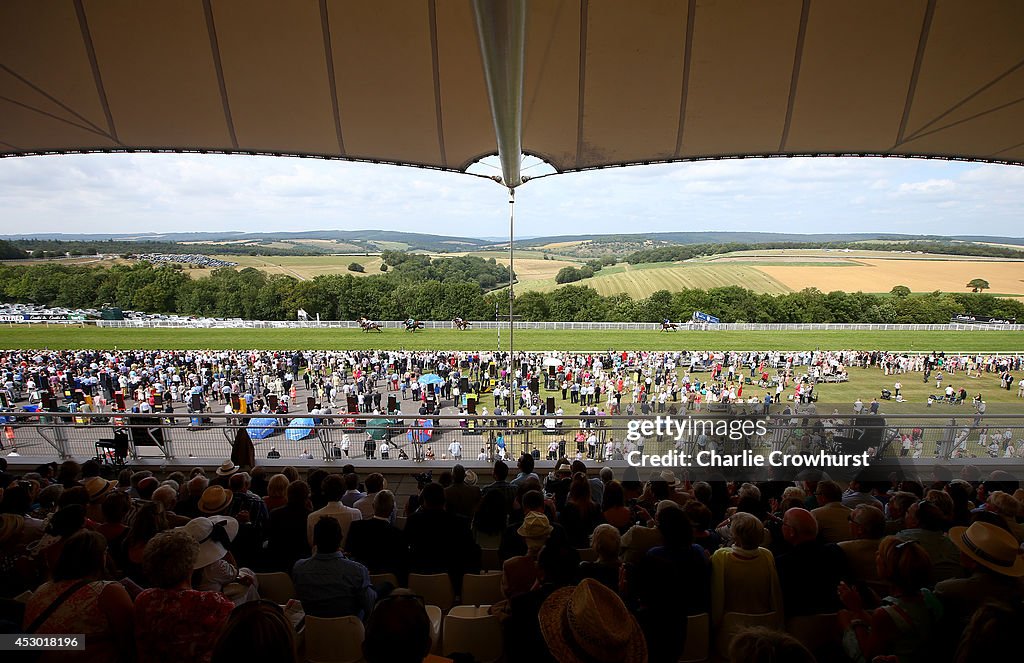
(10, 526)
(98, 488)
(214, 500)
(668, 476)
(589, 623)
(535, 526)
(212, 534)
(991, 546)
(471, 478)
(227, 468)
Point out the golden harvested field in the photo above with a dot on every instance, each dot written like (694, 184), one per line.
(641, 280)
(918, 275)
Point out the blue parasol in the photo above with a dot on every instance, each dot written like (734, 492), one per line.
(299, 428)
(430, 378)
(261, 427)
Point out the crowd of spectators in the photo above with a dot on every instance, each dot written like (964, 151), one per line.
(593, 568)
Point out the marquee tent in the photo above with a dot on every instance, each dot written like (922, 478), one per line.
(578, 83)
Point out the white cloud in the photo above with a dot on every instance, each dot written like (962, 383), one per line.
(129, 193)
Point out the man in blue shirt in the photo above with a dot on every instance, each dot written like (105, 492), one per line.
(328, 584)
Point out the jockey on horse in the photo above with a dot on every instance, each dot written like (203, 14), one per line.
(667, 325)
(461, 324)
(413, 325)
(368, 325)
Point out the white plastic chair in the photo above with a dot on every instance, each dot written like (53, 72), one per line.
(276, 587)
(333, 640)
(435, 588)
(471, 630)
(698, 639)
(482, 589)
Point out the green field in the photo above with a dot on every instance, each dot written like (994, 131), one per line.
(303, 267)
(44, 336)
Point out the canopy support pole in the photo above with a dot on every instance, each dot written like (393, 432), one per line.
(501, 31)
(511, 280)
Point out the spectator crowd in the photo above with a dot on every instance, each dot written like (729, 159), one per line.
(592, 567)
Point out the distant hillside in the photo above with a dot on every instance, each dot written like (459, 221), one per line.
(281, 243)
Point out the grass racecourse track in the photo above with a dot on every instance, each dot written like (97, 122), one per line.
(88, 337)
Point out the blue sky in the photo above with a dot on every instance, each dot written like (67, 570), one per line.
(107, 193)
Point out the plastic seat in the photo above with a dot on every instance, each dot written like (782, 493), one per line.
(476, 634)
(698, 639)
(276, 587)
(489, 559)
(377, 578)
(482, 589)
(436, 617)
(435, 588)
(733, 622)
(815, 631)
(334, 640)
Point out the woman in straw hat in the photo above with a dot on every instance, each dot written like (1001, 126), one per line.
(589, 623)
(518, 574)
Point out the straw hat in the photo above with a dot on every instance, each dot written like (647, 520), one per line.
(214, 500)
(471, 478)
(227, 468)
(10, 526)
(212, 534)
(991, 546)
(668, 476)
(98, 488)
(590, 624)
(535, 526)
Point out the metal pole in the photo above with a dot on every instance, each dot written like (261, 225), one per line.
(511, 279)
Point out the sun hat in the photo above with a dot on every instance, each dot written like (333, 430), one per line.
(991, 546)
(214, 500)
(227, 468)
(212, 534)
(589, 623)
(10, 526)
(535, 526)
(668, 476)
(471, 478)
(563, 466)
(98, 488)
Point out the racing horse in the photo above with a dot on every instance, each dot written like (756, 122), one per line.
(668, 325)
(413, 325)
(369, 325)
(461, 325)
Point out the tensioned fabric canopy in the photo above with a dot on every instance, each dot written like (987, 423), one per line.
(578, 83)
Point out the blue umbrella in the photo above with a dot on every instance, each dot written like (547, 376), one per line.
(299, 428)
(261, 427)
(430, 378)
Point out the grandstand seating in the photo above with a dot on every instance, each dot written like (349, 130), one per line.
(698, 639)
(333, 640)
(472, 630)
(481, 589)
(276, 587)
(435, 588)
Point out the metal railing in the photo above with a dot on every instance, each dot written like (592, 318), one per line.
(341, 437)
(572, 326)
